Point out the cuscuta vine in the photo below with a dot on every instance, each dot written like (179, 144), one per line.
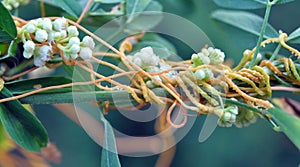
(257, 77)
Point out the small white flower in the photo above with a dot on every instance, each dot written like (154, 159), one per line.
(137, 61)
(72, 31)
(51, 35)
(200, 74)
(41, 35)
(38, 62)
(16, 4)
(87, 41)
(30, 28)
(27, 55)
(60, 24)
(29, 46)
(47, 24)
(200, 59)
(216, 55)
(86, 53)
(60, 35)
(75, 48)
(44, 52)
(74, 40)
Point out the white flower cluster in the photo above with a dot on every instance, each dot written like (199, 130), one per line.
(245, 118)
(229, 116)
(13, 4)
(205, 57)
(150, 62)
(46, 33)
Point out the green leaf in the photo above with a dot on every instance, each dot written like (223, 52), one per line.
(294, 37)
(22, 126)
(71, 7)
(150, 17)
(109, 156)
(7, 25)
(4, 37)
(246, 21)
(27, 85)
(246, 4)
(135, 6)
(288, 124)
(241, 4)
(284, 1)
(109, 1)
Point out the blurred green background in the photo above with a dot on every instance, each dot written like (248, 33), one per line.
(256, 145)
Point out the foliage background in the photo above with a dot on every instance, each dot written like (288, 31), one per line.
(257, 145)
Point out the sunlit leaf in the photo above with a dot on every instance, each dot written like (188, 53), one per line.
(246, 21)
(294, 37)
(71, 7)
(22, 126)
(8, 28)
(288, 124)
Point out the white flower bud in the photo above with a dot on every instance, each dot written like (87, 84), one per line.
(51, 35)
(150, 84)
(38, 62)
(137, 61)
(86, 53)
(216, 56)
(227, 116)
(87, 41)
(60, 35)
(29, 46)
(47, 24)
(16, 4)
(75, 48)
(200, 74)
(44, 52)
(60, 24)
(27, 55)
(41, 35)
(74, 40)
(72, 31)
(30, 28)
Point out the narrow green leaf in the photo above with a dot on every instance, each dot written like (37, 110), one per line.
(27, 85)
(109, 1)
(109, 156)
(284, 1)
(288, 124)
(22, 126)
(135, 6)
(241, 4)
(294, 37)
(7, 24)
(71, 7)
(246, 4)
(246, 21)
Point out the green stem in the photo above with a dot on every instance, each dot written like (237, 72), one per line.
(263, 29)
(242, 105)
(274, 55)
